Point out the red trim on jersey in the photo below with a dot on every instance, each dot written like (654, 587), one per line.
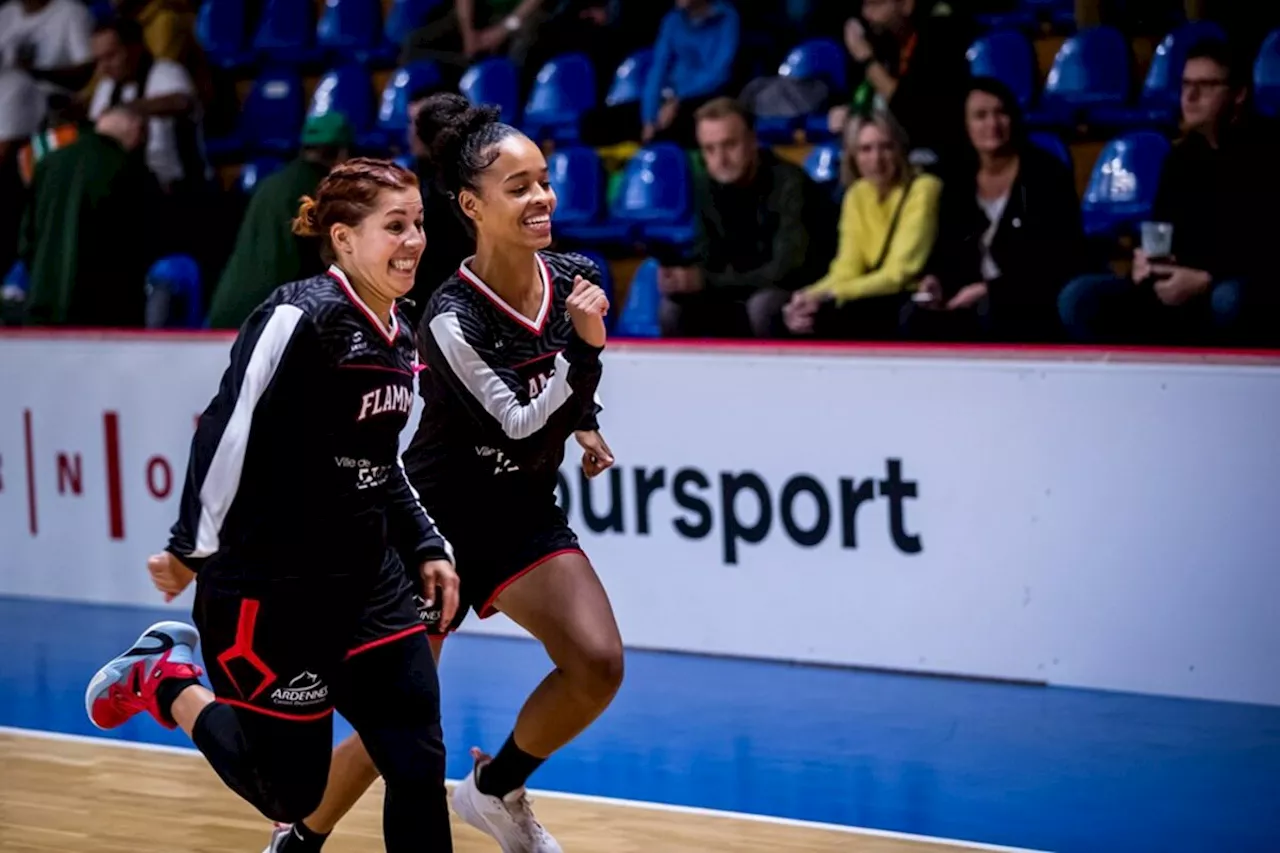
(487, 610)
(296, 718)
(390, 638)
(336, 273)
(536, 326)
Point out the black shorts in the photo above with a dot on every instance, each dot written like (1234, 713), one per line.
(493, 549)
(281, 653)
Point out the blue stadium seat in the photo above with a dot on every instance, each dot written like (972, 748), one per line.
(823, 163)
(494, 81)
(640, 315)
(822, 59)
(393, 109)
(1090, 70)
(352, 29)
(286, 33)
(18, 278)
(564, 89)
(628, 80)
(1052, 143)
(1007, 56)
(1266, 76)
(271, 119)
(1030, 14)
(348, 89)
(577, 176)
(1160, 102)
(1123, 183)
(174, 293)
(815, 59)
(656, 196)
(222, 31)
(405, 16)
(255, 170)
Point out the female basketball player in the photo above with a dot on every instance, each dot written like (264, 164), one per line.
(294, 510)
(512, 345)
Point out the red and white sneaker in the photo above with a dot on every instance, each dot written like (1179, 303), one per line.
(128, 683)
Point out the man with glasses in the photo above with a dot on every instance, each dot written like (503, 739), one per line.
(1217, 282)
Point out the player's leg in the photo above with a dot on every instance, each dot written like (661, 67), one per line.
(562, 603)
(351, 772)
(391, 696)
(271, 762)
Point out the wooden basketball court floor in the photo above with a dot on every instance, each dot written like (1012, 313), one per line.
(75, 794)
(920, 760)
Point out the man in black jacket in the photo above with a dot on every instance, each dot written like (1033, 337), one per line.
(1217, 189)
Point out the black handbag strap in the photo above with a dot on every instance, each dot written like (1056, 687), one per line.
(893, 225)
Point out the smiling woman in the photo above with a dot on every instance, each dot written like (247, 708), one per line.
(368, 216)
(306, 542)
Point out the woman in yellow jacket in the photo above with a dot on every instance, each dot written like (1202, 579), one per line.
(888, 221)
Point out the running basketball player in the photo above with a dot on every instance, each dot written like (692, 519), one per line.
(511, 345)
(295, 509)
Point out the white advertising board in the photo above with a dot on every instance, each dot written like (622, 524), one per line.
(1106, 525)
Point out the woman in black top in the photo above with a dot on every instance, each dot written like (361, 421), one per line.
(1009, 233)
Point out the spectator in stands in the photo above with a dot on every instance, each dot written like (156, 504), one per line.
(169, 32)
(761, 223)
(1218, 190)
(161, 91)
(887, 226)
(1009, 233)
(591, 27)
(48, 39)
(85, 231)
(267, 253)
(693, 62)
(21, 111)
(912, 60)
(458, 34)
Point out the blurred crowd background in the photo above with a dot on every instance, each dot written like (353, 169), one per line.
(1103, 171)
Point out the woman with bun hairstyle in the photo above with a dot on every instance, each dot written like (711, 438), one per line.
(294, 517)
(511, 344)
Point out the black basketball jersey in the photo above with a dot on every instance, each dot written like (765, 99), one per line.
(295, 469)
(502, 393)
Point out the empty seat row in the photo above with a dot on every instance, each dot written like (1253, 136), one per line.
(272, 115)
(288, 33)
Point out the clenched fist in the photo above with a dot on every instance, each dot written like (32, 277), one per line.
(587, 309)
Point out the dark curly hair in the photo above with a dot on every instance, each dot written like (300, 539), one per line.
(460, 139)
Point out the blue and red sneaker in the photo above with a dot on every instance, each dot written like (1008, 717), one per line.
(128, 683)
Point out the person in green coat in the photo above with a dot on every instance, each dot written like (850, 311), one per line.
(267, 254)
(85, 230)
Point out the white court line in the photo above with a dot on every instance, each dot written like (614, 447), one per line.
(582, 798)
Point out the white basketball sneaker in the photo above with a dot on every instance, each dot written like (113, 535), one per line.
(508, 820)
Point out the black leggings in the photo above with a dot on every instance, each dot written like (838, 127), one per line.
(391, 696)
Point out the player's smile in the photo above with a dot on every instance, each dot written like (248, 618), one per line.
(539, 223)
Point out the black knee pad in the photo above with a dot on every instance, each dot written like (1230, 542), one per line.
(410, 757)
(289, 800)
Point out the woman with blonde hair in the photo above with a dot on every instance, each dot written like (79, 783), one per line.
(888, 221)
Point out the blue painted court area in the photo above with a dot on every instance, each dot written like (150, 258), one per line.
(1046, 768)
